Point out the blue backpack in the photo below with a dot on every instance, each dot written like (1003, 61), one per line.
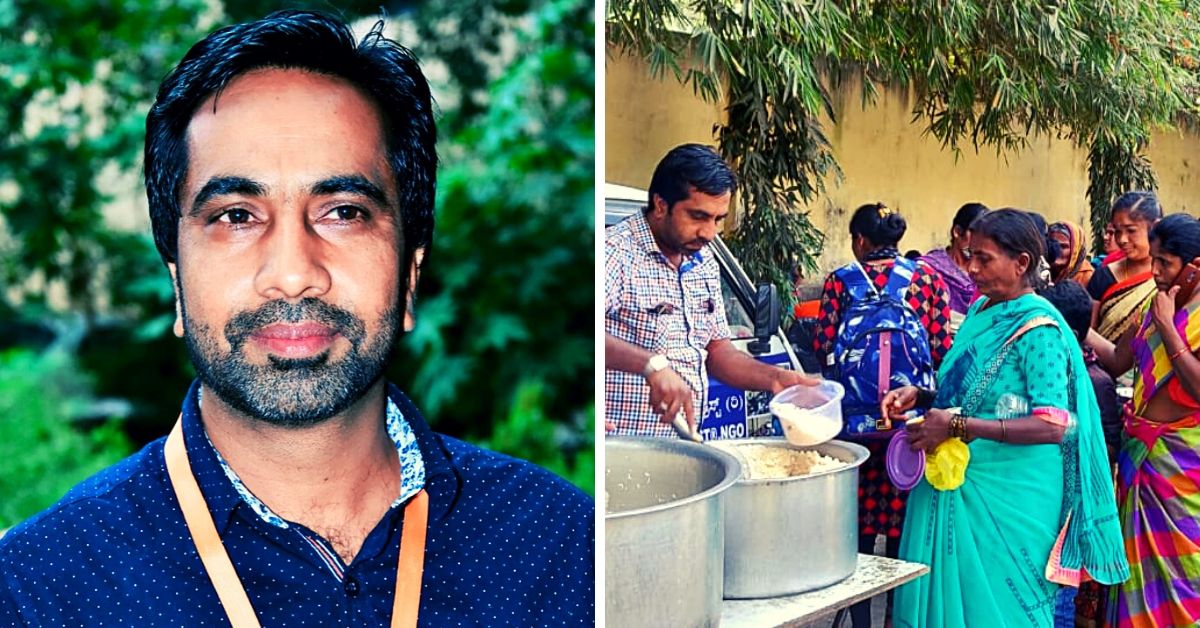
(880, 345)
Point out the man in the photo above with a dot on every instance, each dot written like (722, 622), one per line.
(664, 319)
(291, 178)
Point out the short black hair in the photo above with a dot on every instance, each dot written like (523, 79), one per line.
(384, 71)
(1142, 206)
(879, 224)
(690, 166)
(1073, 302)
(1179, 235)
(1051, 248)
(967, 215)
(1015, 232)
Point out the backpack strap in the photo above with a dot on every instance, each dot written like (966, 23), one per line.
(900, 279)
(854, 277)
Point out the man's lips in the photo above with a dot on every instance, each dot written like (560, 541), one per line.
(296, 340)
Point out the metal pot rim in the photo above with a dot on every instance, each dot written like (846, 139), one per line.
(733, 472)
(860, 453)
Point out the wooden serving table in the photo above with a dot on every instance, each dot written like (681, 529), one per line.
(874, 575)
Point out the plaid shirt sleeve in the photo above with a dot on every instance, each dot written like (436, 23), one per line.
(616, 259)
(828, 318)
(930, 298)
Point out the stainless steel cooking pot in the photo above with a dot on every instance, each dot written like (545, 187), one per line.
(790, 535)
(664, 531)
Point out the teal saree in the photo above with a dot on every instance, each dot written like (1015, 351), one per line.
(1028, 517)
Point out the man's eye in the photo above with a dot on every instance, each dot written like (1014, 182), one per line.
(349, 213)
(235, 216)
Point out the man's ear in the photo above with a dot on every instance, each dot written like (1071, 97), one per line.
(178, 326)
(410, 298)
(660, 206)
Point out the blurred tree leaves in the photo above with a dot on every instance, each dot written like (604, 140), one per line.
(982, 74)
(507, 297)
(76, 77)
(41, 453)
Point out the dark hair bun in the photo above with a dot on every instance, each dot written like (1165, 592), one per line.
(879, 224)
(892, 228)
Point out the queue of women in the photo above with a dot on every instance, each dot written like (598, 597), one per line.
(1033, 530)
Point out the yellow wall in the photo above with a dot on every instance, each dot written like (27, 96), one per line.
(644, 118)
(884, 156)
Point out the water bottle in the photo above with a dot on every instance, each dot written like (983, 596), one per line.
(1011, 406)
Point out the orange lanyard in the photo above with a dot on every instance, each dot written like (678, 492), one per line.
(225, 580)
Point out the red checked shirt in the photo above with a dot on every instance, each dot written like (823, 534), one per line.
(653, 305)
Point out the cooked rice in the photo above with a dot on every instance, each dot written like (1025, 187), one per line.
(765, 462)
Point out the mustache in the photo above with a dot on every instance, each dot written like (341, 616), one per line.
(243, 324)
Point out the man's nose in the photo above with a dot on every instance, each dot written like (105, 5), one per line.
(292, 265)
(708, 231)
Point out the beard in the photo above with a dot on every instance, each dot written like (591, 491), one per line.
(291, 392)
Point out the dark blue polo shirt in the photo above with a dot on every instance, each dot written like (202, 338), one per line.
(509, 544)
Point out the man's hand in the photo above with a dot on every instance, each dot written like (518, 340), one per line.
(669, 394)
(930, 432)
(898, 401)
(785, 378)
(1163, 308)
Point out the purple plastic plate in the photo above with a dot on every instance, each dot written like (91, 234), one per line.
(904, 466)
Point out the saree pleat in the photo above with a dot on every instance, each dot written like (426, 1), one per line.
(1158, 473)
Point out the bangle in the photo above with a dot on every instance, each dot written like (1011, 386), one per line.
(1003, 432)
(958, 426)
(1182, 351)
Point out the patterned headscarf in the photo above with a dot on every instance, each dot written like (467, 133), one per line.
(1076, 249)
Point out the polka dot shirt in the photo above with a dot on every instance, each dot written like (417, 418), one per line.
(509, 544)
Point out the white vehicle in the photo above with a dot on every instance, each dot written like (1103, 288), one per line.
(754, 316)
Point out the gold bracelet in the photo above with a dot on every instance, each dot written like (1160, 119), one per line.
(958, 426)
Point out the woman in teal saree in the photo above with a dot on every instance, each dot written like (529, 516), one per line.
(1033, 508)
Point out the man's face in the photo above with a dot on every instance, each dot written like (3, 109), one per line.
(1164, 266)
(288, 279)
(689, 224)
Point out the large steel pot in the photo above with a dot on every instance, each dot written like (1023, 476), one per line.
(790, 535)
(664, 528)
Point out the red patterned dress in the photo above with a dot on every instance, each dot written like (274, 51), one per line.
(881, 505)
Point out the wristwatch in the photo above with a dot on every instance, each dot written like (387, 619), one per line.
(656, 363)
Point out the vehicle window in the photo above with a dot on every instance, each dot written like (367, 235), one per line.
(740, 323)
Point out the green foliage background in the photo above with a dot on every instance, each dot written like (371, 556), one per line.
(982, 74)
(503, 350)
